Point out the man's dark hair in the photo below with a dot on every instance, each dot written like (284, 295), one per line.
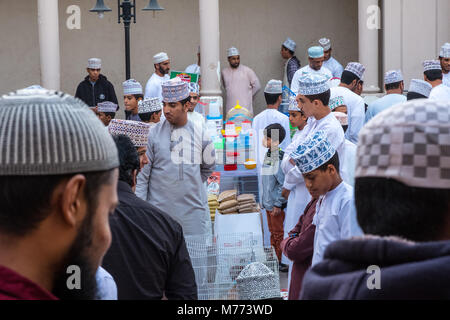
(387, 207)
(347, 77)
(271, 98)
(290, 51)
(26, 200)
(334, 161)
(138, 96)
(128, 157)
(280, 130)
(184, 101)
(323, 97)
(148, 115)
(111, 114)
(433, 75)
(393, 86)
(414, 95)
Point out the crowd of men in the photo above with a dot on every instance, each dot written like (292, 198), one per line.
(96, 207)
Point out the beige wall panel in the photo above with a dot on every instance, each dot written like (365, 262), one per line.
(256, 27)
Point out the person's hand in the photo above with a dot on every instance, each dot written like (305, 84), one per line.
(285, 193)
(276, 211)
(292, 161)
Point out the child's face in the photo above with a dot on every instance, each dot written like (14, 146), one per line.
(297, 119)
(267, 142)
(130, 102)
(156, 117)
(104, 118)
(319, 182)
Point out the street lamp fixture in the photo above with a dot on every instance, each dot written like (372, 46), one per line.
(126, 12)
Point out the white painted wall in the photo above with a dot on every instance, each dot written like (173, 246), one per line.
(414, 30)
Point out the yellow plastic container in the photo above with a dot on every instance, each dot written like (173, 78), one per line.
(250, 164)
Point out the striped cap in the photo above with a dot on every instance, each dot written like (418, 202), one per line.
(45, 132)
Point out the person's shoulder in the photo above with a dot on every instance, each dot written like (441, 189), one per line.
(259, 115)
(143, 212)
(345, 193)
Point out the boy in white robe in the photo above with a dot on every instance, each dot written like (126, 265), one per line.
(335, 217)
(313, 99)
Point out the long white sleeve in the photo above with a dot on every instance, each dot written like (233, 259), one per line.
(356, 121)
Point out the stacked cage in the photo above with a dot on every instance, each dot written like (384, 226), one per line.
(218, 261)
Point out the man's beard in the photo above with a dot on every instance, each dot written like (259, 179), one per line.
(164, 71)
(77, 256)
(235, 66)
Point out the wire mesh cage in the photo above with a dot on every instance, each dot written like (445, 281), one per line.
(218, 261)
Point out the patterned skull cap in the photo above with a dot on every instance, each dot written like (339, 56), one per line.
(149, 105)
(410, 143)
(420, 86)
(325, 43)
(94, 63)
(445, 51)
(175, 90)
(131, 86)
(136, 131)
(336, 102)
(312, 84)
(293, 104)
(257, 282)
(393, 76)
(194, 88)
(431, 65)
(274, 87)
(357, 69)
(107, 106)
(314, 152)
(232, 52)
(290, 44)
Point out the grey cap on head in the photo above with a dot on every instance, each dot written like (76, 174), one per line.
(45, 132)
(410, 143)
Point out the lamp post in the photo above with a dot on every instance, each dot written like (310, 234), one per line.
(126, 11)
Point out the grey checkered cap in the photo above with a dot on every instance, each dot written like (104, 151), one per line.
(410, 143)
(51, 133)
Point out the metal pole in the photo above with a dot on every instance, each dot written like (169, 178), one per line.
(127, 15)
(127, 51)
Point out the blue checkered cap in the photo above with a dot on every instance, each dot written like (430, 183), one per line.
(314, 152)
